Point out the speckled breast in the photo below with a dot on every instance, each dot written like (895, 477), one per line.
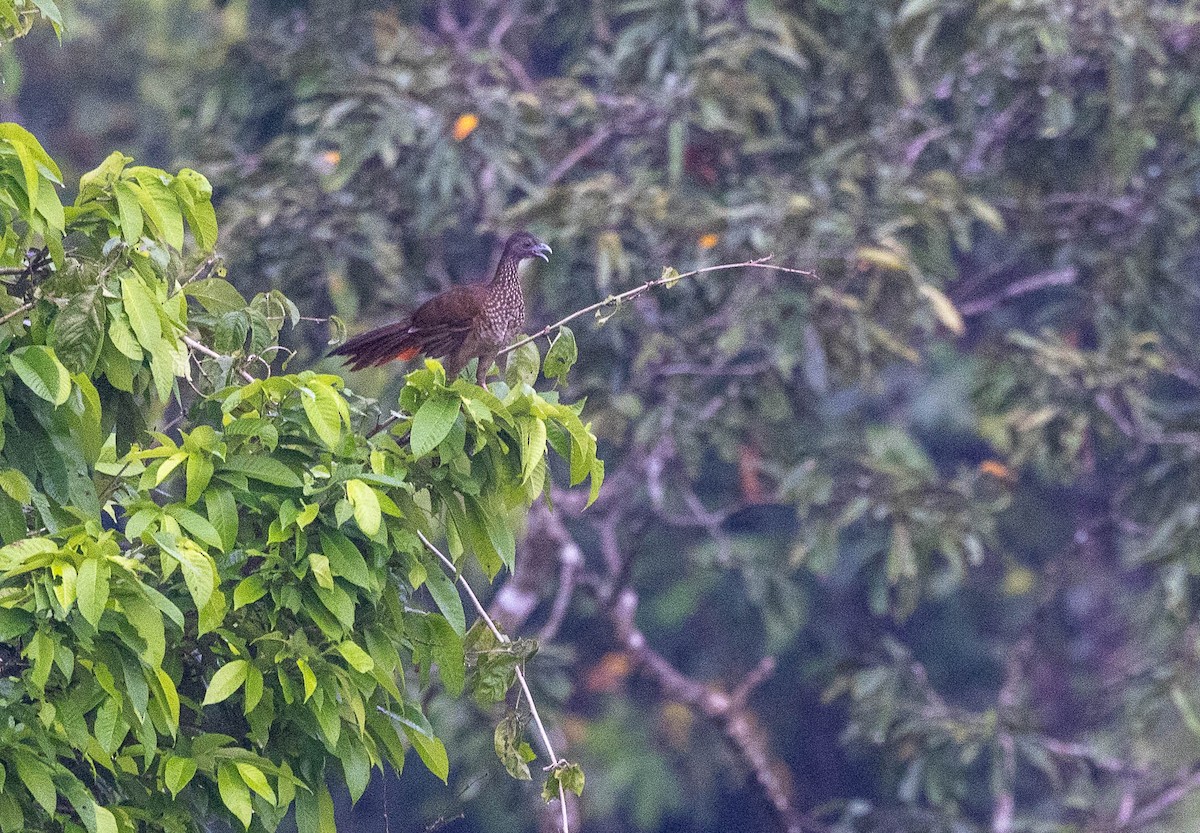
(503, 315)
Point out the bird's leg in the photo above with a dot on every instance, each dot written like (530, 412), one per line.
(485, 364)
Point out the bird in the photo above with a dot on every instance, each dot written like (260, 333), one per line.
(475, 321)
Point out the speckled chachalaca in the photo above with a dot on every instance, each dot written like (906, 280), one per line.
(476, 321)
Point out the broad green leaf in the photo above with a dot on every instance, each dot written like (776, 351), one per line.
(533, 445)
(142, 309)
(320, 569)
(92, 589)
(197, 525)
(523, 366)
(199, 473)
(256, 780)
(16, 485)
(199, 572)
(249, 590)
(506, 740)
(222, 513)
(262, 468)
(561, 356)
(36, 778)
(445, 596)
(433, 422)
(431, 751)
(321, 407)
(366, 506)
(178, 773)
(78, 331)
(42, 373)
(234, 793)
(217, 295)
(106, 822)
(226, 681)
(129, 211)
(345, 560)
(359, 659)
(314, 810)
(570, 776)
(449, 655)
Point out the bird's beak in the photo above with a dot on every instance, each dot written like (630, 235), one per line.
(543, 251)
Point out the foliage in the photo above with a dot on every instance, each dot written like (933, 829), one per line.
(950, 484)
(211, 618)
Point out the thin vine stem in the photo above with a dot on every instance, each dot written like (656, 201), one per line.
(630, 294)
(502, 638)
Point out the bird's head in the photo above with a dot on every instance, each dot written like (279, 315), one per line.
(524, 245)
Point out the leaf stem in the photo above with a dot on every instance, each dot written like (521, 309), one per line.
(500, 637)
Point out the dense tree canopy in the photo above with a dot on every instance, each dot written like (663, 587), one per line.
(901, 541)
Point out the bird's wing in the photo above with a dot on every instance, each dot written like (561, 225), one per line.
(436, 329)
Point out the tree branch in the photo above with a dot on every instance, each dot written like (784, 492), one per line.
(502, 638)
(630, 294)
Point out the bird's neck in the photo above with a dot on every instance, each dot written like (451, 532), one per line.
(506, 277)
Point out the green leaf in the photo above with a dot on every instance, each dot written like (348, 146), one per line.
(36, 778)
(359, 659)
(42, 373)
(16, 485)
(433, 422)
(445, 596)
(256, 780)
(106, 822)
(448, 653)
(345, 560)
(431, 751)
(669, 276)
(226, 681)
(223, 514)
(262, 468)
(217, 295)
(320, 569)
(199, 473)
(141, 306)
(508, 745)
(314, 810)
(196, 524)
(199, 572)
(234, 793)
(130, 213)
(91, 585)
(533, 445)
(561, 356)
(523, 366)
(179, 773)
(366, 506)
(78, 331)
(248, 591)
(321, 407)
(570, 776)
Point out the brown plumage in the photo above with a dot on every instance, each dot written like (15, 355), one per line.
(463, 323)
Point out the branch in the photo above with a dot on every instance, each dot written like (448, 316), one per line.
(24, 308)
(203, 270)
(727, 710)
(630, 294)
(500, 637)
(1165, 800)
(581, 152)
(213, 354)
(1032, 283)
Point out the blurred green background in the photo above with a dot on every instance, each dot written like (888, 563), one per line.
(949, 481)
